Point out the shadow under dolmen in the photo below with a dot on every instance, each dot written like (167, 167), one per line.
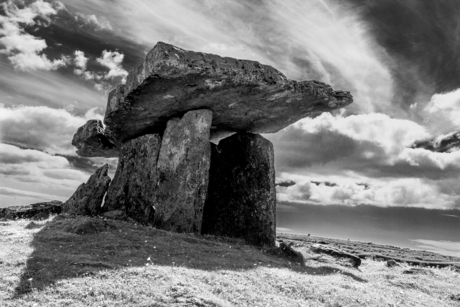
(70, 247)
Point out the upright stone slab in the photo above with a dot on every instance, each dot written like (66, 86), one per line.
(241, 198)
(183, 167)
(134, 183)
(87, 199)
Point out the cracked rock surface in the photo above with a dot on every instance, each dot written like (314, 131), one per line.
(244, 96)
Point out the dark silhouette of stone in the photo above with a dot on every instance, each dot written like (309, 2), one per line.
(183, 167)
(87, 199)
(133, 186)
(32, 211)
(244, 95)
(92, 140)
(241, 194)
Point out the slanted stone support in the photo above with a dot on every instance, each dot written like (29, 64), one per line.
(241, 198)
(87, 199)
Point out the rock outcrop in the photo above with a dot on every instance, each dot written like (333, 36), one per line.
(243, 95)
(241, 194)
(87, 199)
(183, 167)
(33, 211)
(133, 186)
(92, 140)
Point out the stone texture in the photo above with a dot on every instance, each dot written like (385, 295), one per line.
(183, 167)
(241, 194)
(33, 211)
(87, 199)
(244, 96)
(92, 140)
(134, 183)
(444, 143)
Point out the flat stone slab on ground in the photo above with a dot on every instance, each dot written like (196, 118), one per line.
(244, 96)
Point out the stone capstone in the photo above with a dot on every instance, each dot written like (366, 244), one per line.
(241, 198)
(87, 199)
(244, 96)
(183, 169)
(92, 140)
(133, 186)
(33, 211)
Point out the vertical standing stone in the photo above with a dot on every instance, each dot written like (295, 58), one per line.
(133, 186)
(241, 199)
(183, 167)
(87, 199)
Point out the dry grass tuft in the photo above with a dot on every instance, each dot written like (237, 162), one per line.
(93, 262)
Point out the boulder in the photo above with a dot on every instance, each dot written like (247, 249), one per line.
(87, 199)
(92, 140)
(241, 198)
(33, 211)
(244, 96)
(183, 168)
(135, 180)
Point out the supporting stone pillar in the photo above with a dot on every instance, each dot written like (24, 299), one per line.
(133, 186)
(241, 198)
(87, 199)
(183, 168)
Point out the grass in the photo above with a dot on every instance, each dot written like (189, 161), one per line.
(93, 262)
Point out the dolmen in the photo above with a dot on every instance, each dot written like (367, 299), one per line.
(186, 129)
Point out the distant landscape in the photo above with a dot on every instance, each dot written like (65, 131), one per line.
(415, 228)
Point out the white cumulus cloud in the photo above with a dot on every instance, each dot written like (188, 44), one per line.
(113, 61)
(24, 50)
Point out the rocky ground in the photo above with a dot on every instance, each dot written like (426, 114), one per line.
(96, 262)
(369, 249)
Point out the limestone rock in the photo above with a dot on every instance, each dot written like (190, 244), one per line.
(87, 199)
(92, 140)
(241, 194)
(33, 211)
(183, 167)
(244, 96)
(134, 183)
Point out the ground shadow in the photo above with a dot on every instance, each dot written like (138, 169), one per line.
(72, 247)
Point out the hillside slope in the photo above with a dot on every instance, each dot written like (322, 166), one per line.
(93, 262)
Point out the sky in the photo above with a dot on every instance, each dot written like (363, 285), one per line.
(399, 59)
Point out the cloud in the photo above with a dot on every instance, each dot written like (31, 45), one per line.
(24, 50)
(28, 175)
(373, 144)
(41, 127)
(100, 23)
(9, 197)
(441, 246)
(406, 192)
(80, 62)
(113, 61)
(442, 113)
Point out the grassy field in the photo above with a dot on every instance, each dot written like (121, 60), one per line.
(93, 262)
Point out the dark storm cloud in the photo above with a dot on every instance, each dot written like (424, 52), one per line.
(423, 40)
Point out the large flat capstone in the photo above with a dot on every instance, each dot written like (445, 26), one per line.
(183, 170)
(133, 186)
(241, 198)
(244, 96)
